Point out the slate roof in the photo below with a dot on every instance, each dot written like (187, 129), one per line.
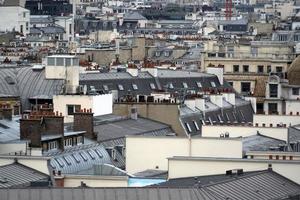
(119, 129)
(251, 185)
(260, 142)
(108, 194)
(79, 158)
(26, 82)
(9, 130)
(17, 175)
(133, 16)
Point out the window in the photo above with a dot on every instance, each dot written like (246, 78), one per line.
(185, 85)
(245, 87)
(213, 84)
(152, 86)
(171, 86)
(245, 68)
(269, 68)
(27, 26)
(120, 87)
(73, 108)
(157, 53)
(199, 85)
(260, 69)
(236, 68)
(272, 108)
(273, 90)
(134, 86)
(196, 125)
(79, 140)
(68, 142)
(68, 62)
(277, 157)
(167, 53)
(24, 14)
(278, 69)
(21, 28)
(270, 157)
(188, 127)
(295, 91)
(105, 87)
(52, 145)
(230, 83)
(283, 157)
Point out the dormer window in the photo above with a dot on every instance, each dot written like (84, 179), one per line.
(171, 86)
(188, 127)
(105, 87)
(157, 53)
(196, 126)
(213, 84)
(199, 85)
(134, 86)
(121, 88)
(185, 85)
(152, 86)
(167, 53)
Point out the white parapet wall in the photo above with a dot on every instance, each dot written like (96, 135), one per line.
(100, 104)
(280, 133)
(152, 152)
(195, 166)
(288, 119)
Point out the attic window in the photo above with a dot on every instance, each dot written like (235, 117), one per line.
(185, 85)
(199, 85)
(152, 86)
(188, 127)
(167, 53)
(134, 86)
(196, 126)
(105, 87)
(171, 86)
(213, 84)
(120, 87)
(98, 153)
(157, 53)
(9, 80)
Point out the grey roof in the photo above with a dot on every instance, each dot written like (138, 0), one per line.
(103, 170)
(125, 127)
(79, 158)
(108, 194)
(250, 185)
(41, 19)
(17, 175)
(234, 22)
(26, 82)
(132, 16)
(9, 130)
(264, 185)
(152, 173)
(260, 142)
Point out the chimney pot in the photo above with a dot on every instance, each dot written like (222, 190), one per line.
(59, 173)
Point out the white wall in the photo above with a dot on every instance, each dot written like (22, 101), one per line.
(12, 17)
(183, 167)
(144, 152)
(6, 148)
(100, 104)
(96, 181)
(244, 131)
(276, 119)
(34, 162)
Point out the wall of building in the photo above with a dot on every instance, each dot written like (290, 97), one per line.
(282, 155)
(181, 167)
(95, 181)
(276, 119)
(165, 113)
(13, 17)
(149, 150)
(245, 131)
(100, 104)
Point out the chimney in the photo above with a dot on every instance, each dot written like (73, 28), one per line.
(6, 113)
(59, 179)
(217, 99)
(200, 104)
(83, 121)
(230, 98)
(133, 113)
(30, 129)
(191, 103)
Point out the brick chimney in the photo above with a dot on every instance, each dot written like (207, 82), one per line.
(59, 179)
(83, 121)
(30, 129)
(6, 112)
